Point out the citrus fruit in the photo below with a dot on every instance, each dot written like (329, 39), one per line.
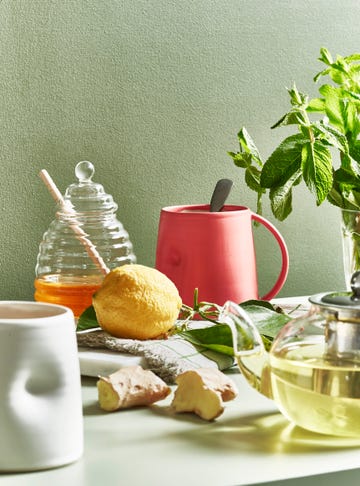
(136, 302)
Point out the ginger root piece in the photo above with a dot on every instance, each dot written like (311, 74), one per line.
(131, 386)
(203, 392)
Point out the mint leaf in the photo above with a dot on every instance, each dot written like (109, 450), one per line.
(335, 197)
(297, 98)
(281, 197)
(355, 151)
(283, 162)
(321, 73)
(241, 159)
(353, 58)
(348, 177)
(248, 145)
(297, 115)
(252, 179)
(351, 120)
(334, 106)
(343, 192)
(333, 136)
(325, 56)
(294, 117)
(339, 71)
(316, 105)
(316, 166)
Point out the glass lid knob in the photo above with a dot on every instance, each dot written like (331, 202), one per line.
(84, 171)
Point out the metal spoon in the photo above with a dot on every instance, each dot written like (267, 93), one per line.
(220, 194)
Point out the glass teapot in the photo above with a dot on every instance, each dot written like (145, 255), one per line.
(65, 272)
(312, 370)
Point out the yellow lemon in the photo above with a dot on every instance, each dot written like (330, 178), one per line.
(136, 302)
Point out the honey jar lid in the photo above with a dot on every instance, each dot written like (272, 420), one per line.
(86, 195)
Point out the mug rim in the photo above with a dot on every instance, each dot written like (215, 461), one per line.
(227, 209)
(30, 311)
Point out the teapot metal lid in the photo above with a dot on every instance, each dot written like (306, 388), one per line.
(343, 327)
(86, 195)
(341, 300)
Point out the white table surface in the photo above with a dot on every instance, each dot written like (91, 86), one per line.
(250, 443)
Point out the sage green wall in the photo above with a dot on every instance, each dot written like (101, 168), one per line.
(153, 92)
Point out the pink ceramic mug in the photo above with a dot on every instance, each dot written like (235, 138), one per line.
(214, 252)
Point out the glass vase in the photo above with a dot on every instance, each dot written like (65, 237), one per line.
(350, 228)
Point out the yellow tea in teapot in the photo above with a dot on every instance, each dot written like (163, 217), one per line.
(315, 393)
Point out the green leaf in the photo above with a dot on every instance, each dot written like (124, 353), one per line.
(316, 105)
(343, 176)
(334, 197)
(248, 145)
(297, 115)
(333, 136)
(355, 151)
(320, 74)
(353, 57)
(297, 98)
(252, 179)
(217, 337)
(350, 199)
(87, 320)
(342, 193)
(283, 162)
(268, 322)
(356, 198)
(281, 197)
(339, 71)
(317, 169)
(351, 120)
(261, 303)
(335, 107)
(241, 159)
(325, 56)
(294, 117)
(354, 97)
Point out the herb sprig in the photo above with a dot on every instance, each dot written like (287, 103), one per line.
(269, 319)
(307, 155)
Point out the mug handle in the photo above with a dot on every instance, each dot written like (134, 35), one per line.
(284, 255)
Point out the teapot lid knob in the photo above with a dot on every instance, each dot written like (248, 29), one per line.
(341, 299)
(355, 286)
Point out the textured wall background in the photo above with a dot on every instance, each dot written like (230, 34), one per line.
(153, 92)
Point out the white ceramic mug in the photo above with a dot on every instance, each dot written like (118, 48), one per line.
(41, 421)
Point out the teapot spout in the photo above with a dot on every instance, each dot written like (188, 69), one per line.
(249, 350)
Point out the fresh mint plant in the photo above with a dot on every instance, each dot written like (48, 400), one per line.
(330, 121)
